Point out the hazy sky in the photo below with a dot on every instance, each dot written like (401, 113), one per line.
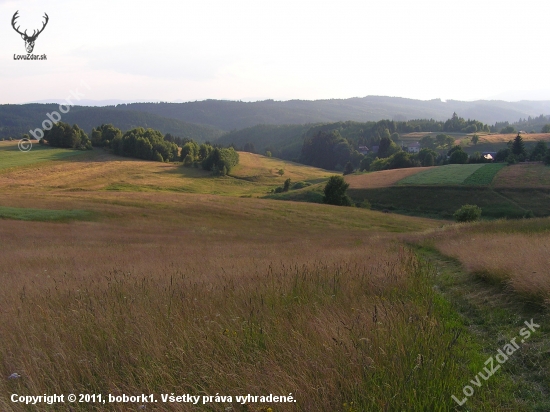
(256, 49)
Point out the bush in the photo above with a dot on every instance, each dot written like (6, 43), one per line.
(459, 157)
(365, 204)
(348, 169)
(335, 192)
(300, 185)
(286, 185)
(468, 213)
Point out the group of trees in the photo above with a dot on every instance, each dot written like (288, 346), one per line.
(458, 124)
(441, 141)
(64, 135)
(218, 160)
(531, 124)
(146, 144)
(328, 150)
(517, 152)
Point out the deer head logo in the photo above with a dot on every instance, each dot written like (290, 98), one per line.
(29, 40)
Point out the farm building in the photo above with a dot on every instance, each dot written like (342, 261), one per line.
(413, 147)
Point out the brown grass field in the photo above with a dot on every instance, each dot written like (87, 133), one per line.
(383, 178)
(514, 253)
(178, 284)
(532, 175)
(504, 138)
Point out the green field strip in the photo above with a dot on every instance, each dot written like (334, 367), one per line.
(43, 215)
(11, 156)
(441, 175)
(484, 175)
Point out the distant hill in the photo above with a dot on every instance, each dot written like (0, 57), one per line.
(16, 120)
(232, 115)
(283, 141)
(206, 120)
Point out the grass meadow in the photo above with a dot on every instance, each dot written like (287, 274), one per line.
(12, 157)
(515, 254)
(130, 277)
(442, 175)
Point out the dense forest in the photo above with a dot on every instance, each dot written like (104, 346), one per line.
(286, 141)
(208, 120)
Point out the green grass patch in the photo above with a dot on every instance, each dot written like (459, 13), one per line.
(11, 156)
(43, 215)
(442, 202)
(442, 175)
(484, 175)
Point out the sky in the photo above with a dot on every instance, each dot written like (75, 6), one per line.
(252, 50)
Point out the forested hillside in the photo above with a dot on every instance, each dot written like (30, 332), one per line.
(231, 115)
(16, 120)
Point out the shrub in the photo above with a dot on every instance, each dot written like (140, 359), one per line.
(335, 192)
(459, 157)
(300, 185)
(286, 185)
(348, 169)
(468, 213)
(365, 204)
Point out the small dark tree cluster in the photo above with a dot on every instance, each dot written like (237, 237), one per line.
(221, 161)
(103, 135)
(284, 188)
(147, 144)
(67, 136)
(335, 192)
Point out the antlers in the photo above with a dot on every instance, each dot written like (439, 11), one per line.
(15, 16)
(34, 34)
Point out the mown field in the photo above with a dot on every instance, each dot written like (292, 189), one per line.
(130, 277)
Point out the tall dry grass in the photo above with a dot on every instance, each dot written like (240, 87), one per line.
(514, 253)
(158, 305)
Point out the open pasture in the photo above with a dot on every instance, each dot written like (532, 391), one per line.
(524, 175)
(203, 294)
(383, 178)
(97, 170)
(11, 156)
(504, 138)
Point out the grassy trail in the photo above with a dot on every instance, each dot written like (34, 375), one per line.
(493, 316)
